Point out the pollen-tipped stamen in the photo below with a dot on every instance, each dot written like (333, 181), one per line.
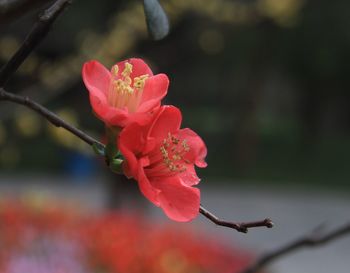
(173, 151)
(122, 93)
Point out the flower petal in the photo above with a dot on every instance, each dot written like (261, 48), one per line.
(167, 120)
(155, 89)
(108, 114)
(179, 202)
(147, 189)
(97, 79)
(189, 177)
(140, 118)
(197, 151)
(130, 143)
(139, 68)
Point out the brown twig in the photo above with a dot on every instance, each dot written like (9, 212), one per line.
(58, 122)
(50, 116)
(240, 227)
(311, 240)
(38, 32)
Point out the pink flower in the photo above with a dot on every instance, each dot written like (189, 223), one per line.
(161, 157)
(128, 93)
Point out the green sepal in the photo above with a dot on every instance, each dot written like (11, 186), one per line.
(99, 149)
(116, 165)
(111, 148)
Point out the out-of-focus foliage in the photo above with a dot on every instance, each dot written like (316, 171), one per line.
(264, 81)
(48, 237)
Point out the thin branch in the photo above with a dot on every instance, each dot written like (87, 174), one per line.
(50, 116)
(59, 122)
(240, 227)
(38, 32)
(311, 240)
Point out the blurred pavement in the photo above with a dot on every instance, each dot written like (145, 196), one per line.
(294, 212)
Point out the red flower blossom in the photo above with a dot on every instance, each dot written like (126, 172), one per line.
(161, 157)
(127, 93)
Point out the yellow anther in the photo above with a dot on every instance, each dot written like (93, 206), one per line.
(115, 70)
(120, 86)
(139, 82)
(175, 140)
(173, 151)
(185, 145)
(172, 167)
(123, 87)
(127, 70)
(129, 89)
(127, 81)
(118, 83)
(164, 152)
(176, 157)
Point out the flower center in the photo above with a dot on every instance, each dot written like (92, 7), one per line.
(125, 92)
(173, 151)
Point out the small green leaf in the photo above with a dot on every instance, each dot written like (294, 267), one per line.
(116, 166)
(99, 149)
(156, 19)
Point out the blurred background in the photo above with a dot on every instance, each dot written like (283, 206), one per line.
(262, 81)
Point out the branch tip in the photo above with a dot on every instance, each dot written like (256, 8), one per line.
(240, 227)
(309, 240)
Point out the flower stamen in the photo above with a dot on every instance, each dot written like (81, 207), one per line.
(125, 92)
(173, 151)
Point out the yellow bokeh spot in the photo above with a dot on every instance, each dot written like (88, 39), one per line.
(8, 46)
(36, 199)
(61, 135)
(284, 12)
(173, 261)
(66, 138)
(27, 123)
(29, 65)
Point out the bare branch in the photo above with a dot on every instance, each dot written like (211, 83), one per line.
(311, 240)
(38, 32)
(50, 116)
(240, 227)
(58, 122)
